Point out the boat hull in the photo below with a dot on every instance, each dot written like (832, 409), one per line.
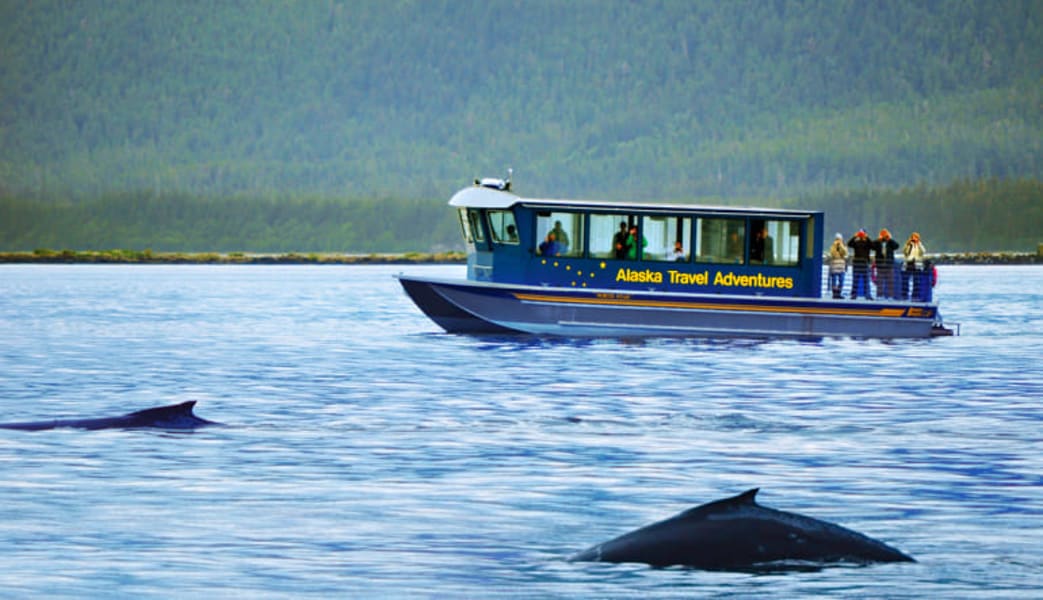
(460, 306)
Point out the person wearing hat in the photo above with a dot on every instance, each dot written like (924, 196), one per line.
(837, 265)
(885, 247)
(861, 246)
(914, 252)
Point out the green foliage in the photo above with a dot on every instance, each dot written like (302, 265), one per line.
(605, 98)
(274, 126)
(982, 215)
(968, 215)
(186, 223)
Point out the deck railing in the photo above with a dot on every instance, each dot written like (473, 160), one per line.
(915, 284)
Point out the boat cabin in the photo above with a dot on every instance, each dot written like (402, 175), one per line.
(639, 247)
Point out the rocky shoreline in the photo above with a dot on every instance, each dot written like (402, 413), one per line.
(988, 258)
(231, 258)
(293, 258)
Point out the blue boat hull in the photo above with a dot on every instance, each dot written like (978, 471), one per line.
(460, 306)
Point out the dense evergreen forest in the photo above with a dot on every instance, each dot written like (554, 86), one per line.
(982, 215)
(271, 125)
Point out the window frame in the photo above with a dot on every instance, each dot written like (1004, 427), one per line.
(715, 247)
(575, 230)
(498, 232)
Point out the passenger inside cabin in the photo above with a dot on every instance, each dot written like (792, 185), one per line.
(678, 254)
(632, 242)
(512, 234)
(619, 241)
(550, 247)
(762, 248)
(561, 238)
(734, 247)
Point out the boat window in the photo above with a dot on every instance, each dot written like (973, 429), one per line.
(668, 238)
(475, 221)
(465, 226)
(774, 242)
(567, 229)
(502, 227)
(720, 240)
(603, 231)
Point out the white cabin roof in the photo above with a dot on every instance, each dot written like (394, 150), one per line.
(483, 197)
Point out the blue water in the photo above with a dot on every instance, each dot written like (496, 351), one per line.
(370, 455)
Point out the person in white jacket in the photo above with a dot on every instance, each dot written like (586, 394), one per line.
(837, 265)
(914, 252)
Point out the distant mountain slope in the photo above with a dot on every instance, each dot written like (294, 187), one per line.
(359, 98)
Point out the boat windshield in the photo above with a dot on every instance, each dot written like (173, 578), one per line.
(502, 227)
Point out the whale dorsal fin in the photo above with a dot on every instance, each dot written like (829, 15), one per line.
(745, 499)
(175, 416)
(162, 411)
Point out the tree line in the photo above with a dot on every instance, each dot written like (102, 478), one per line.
(964, 216)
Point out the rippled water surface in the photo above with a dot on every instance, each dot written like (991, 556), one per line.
(368, 454)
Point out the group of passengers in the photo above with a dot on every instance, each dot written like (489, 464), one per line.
(874, 260)
(556, 243)
(626, 241)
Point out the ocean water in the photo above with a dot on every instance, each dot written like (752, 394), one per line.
(368, 454)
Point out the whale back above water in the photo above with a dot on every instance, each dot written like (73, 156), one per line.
(172, 417)
(739, 534)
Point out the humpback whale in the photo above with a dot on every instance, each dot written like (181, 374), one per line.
(174, 416)
(737, 534)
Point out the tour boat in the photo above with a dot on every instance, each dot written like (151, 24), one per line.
(610, 269)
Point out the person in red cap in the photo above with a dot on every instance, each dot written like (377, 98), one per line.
(885, 247)
(861, 246)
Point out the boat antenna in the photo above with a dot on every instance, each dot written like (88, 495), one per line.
(507, 183)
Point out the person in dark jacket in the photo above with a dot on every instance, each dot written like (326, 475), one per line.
(861, 247)
(619, 241)
(885, 247)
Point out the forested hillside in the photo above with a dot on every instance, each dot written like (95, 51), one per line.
(409, 99)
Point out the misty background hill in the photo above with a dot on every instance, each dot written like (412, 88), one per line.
(279, 109)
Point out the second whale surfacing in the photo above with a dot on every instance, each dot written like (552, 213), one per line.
(177, 417)
(737, 534)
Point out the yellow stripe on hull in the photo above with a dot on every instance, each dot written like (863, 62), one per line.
(881, 312)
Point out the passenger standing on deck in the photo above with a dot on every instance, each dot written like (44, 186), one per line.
(837, 265)
(632, 242)
(885, 248)
(914, 252)
(619, 241)
(862, 246)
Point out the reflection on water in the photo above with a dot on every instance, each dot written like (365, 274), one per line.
(367, 453)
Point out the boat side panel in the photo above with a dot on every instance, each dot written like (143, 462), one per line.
(562, 315)
(448, 315)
